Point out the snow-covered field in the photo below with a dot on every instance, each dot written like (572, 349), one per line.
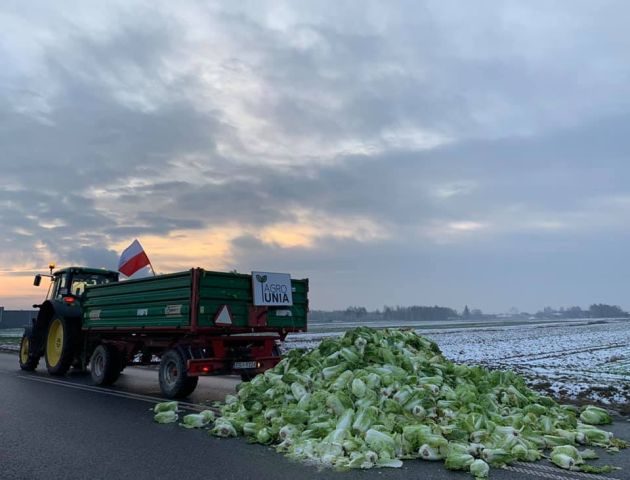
(577, 360)
(11, 333)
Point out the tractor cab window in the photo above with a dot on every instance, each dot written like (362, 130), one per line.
(59, 287)
(82, 280)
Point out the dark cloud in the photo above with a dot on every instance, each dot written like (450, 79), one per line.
(486, 145)
(97, 257)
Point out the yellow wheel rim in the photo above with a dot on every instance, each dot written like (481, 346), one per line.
(24, 350)
(54, 343)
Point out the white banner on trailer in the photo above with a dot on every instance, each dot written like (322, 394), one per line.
(272, 289)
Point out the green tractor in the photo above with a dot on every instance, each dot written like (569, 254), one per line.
(56, 332)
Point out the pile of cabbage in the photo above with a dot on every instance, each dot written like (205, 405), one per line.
(373, 398)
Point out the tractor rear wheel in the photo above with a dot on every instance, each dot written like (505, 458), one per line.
(28, 361)
(105, 365)
(174, 380)
(60, 342)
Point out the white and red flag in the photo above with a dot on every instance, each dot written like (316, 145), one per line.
(133, 259)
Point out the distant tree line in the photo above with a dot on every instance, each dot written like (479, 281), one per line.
(415, 312)
(606, 311)
(597, 310)
(419, 313)
(438, 313)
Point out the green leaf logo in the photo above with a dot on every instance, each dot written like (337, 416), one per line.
(261, 279)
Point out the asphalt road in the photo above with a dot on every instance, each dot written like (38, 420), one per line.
(67, 429)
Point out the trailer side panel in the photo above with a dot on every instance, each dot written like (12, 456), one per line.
(162, 301)
(168, 301)
(234, 290)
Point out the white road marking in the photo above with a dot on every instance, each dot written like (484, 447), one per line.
(544, 471)
(549, 468)
(114, 393)
(538, 474)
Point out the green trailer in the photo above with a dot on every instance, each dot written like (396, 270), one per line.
(194, 323)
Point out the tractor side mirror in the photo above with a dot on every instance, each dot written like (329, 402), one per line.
(38, 280)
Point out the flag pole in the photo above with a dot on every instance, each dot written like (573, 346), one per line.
(149, 260)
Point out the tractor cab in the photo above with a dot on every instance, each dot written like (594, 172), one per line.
(71, 282)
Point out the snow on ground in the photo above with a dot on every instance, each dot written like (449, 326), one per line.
(11, 332)
(579, 361)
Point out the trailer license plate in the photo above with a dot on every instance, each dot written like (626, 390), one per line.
(241, 365)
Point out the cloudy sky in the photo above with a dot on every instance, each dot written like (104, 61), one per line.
(396, 153)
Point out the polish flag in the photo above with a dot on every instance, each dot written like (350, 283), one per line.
(133, 259)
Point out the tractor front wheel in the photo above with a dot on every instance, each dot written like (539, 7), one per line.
(28, 361)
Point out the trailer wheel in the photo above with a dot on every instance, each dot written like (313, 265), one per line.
(28, 361)
(105, 365)
(59, 346)
(174, 380)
